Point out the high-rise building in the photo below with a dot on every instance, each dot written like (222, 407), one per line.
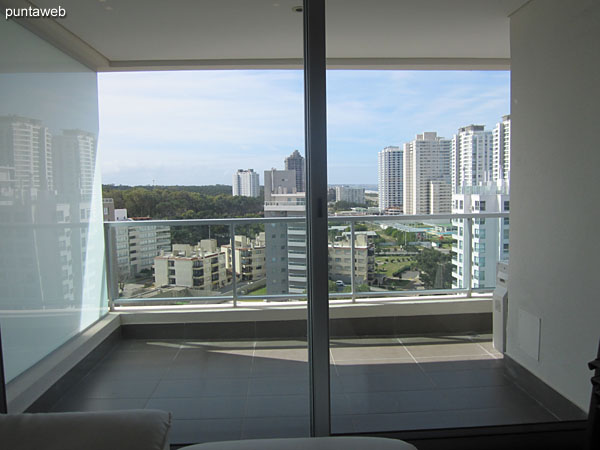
(286, 243)
(26, 146)
(472, 156)
(485, 187)
(501, 164)
(75, 154)
(489, 236)
(350, 194)
(390, 179)
(296, 162)
(246, 183)
(427, 160)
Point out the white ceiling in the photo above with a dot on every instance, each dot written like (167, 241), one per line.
(126, 34)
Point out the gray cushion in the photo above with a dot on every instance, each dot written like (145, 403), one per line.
(323, 443)
(106, 430)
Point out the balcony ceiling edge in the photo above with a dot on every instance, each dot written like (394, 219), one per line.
(297, 63)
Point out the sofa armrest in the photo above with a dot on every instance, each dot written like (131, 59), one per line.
(143, 429)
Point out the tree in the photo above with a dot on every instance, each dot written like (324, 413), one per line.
(435, 268)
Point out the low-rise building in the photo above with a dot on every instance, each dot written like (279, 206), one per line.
(250, 257)
(340, 260)
(199, 267)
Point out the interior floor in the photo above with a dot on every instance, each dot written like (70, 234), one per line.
(226, 390)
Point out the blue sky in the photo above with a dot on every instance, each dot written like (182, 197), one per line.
(196, 128)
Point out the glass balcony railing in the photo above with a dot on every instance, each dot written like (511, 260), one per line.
(395, 257)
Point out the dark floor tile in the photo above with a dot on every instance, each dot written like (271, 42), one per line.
(275, 427)
(98, 404)
(284, 354)
(139, 345)
(103, 388)
(469, 378)
(485, 397)
(459, 363)
(201, 387)
(277, 405)
(382, 382)
(118, 371)
(209, 430)
(342, 424)
(390, 367)
(392, 402)
(277, 386)
(266, 367)
(201, 407)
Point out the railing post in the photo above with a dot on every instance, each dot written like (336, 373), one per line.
(111, 266)
(233, 259)
(353, 265)
(468, 249)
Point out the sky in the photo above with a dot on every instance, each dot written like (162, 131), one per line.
(199, 127)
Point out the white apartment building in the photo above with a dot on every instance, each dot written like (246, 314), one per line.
(427, 160)
(390, 180)
(246, 183)
(489, 238)
(198, 267)
(472, 156)
(250, 257)
(350, 194)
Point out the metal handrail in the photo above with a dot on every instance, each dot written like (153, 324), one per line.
(351, 220)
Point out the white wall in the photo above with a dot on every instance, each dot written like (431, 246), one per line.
(554, 273)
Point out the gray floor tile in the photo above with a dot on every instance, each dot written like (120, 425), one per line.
(138, 345)
(378, 382)
(209, 430)
(102, 388)
(275, 427)
(98, 404)
(277, 386)
(277, 405)
(397, 368)
(469, 378)
(201, 407)
(201, 387)
(342, 424)
(445, 350)
(117, 371)
(393, 352)
(265, 367)
(458, 363)
(279, 344)
(285, 354)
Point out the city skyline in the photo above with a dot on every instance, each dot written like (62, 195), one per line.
(212, 122)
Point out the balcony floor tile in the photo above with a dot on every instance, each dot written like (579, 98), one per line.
(224, 390)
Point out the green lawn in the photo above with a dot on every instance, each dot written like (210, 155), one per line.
(388, 267)
(259, 291)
